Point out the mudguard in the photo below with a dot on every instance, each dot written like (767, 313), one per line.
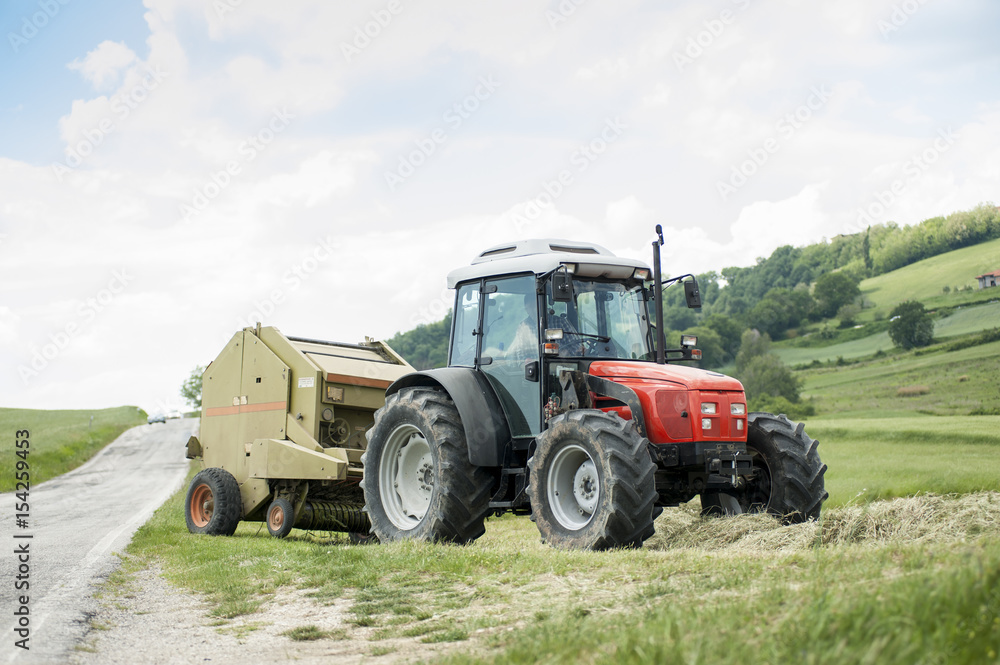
(486, 429)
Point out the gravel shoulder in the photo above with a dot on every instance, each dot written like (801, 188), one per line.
(150, 621)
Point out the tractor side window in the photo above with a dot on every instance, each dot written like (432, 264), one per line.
(463, 340)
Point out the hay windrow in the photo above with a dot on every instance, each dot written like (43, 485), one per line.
(947, 518)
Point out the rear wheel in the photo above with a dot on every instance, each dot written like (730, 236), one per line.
(787, 479)
(591, 483)
(213, 503)
(419, 483)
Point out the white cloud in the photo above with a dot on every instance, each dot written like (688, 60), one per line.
(103, 66)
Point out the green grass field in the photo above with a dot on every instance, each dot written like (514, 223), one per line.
(905, 385)
(61, 440)
(898, 581)
(925, 280)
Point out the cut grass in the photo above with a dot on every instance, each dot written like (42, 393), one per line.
(61, 440)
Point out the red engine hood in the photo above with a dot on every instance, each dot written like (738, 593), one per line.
(691, 378)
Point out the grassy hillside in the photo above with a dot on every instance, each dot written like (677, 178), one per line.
(964, 321)
(61, 440)
(937, 383)
(925, 280)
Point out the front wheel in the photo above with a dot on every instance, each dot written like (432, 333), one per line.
(591, 483)
(787, 479)
(419, 483)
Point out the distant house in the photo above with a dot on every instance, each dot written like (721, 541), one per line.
(989, 279)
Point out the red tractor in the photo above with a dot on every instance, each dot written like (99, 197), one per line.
(561, 401)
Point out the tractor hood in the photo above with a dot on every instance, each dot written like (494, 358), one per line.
(691, 378)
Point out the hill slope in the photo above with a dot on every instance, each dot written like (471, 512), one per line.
(926, 279)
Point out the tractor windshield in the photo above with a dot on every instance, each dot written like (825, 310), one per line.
(603, 320)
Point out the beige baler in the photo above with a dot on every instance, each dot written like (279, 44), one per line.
(282, 432)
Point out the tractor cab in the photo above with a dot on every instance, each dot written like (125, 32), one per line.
(529, 313)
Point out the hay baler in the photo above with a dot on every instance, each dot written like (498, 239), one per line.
(283, 430)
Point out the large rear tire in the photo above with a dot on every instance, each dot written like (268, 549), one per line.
(213, 504)
(419, 483)
(788, 474)
(591, 483)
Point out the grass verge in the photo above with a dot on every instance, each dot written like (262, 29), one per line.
(62, 440)
(887, 581)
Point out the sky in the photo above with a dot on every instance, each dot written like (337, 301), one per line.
(175, 170)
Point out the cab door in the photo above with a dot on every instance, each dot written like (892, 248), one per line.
(509, 351)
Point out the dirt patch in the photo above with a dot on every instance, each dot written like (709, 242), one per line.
(154, 622)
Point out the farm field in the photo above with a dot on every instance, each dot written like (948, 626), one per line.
(936, 383)
(63, 440)
(887, 581)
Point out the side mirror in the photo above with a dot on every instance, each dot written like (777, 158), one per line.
(691, 294)
(562, 286)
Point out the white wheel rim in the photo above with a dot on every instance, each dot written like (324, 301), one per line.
(730, 504)
(406, 477)
(573, 487)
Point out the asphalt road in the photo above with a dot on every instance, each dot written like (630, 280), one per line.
(77, 522)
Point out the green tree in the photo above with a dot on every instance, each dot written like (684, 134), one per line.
(834, 290)
(752, 345)
(762, 372)
(910, 325)
(425, 346)
(729, 331)
(191, 388)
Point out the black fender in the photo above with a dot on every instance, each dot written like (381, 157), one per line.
(486, 429)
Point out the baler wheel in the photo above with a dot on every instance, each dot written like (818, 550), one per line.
(280, 518)
(213, 503)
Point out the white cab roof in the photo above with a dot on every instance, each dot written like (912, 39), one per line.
(540, 256)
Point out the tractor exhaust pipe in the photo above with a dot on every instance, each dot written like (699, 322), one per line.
(661, 340)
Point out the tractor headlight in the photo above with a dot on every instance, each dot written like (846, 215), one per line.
(738, 408)
(706, 423)
(711, 408)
